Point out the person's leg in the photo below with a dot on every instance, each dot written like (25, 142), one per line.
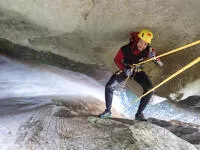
(146, 84)
(109, 88)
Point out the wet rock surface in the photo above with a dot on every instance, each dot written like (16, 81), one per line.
(47, 130)
(66, 124)
(190, 102)
(187, 131)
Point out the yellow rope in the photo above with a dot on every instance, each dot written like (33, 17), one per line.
(169, 78)
(132, 68)
(167, 53)
(172, 51)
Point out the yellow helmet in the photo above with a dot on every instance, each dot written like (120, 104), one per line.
(146, 35)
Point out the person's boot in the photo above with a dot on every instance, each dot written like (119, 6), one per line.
(140, 117)
(105, 115)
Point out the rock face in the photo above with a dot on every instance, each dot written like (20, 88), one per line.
(148, 136)
(187, 131)
(91, 31)
(72, 124)
(191, 102)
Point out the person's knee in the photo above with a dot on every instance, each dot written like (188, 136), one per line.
(147, 87)
(150, 85)
(108, 88)
(147, 98)
(150, 94)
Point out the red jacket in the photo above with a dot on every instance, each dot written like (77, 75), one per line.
(129, 54)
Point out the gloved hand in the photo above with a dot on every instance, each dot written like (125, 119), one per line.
(128, 72)
(152, 54)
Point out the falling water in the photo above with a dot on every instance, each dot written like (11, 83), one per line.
(24, 84)
(28, 86)
(20, 80)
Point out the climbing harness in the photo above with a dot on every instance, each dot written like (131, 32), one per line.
(170, 77)
(134, 69)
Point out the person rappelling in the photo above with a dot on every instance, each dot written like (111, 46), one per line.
(136, 51)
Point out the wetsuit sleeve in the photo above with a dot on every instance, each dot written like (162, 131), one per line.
(152, 53)
(118, 60)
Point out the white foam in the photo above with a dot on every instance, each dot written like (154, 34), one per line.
(191, 89)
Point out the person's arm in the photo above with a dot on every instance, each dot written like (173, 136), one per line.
(152, 54)
(119, 60)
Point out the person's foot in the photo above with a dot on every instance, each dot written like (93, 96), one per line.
(140, 117)
(105, 115)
